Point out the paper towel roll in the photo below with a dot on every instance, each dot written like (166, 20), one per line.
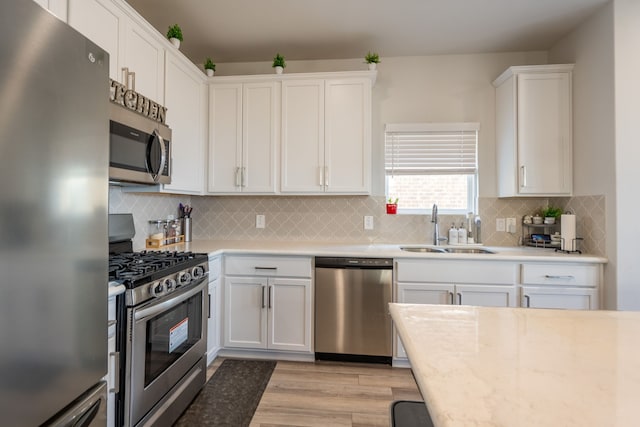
(568, 231)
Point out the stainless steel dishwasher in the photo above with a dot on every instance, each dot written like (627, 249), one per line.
(352, 321)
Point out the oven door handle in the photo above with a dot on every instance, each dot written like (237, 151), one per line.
(166, 305)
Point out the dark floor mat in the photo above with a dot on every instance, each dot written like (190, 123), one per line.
(231, 396)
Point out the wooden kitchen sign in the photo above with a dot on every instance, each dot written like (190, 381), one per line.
(132, 100)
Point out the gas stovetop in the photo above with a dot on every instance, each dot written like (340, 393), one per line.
(137, 268)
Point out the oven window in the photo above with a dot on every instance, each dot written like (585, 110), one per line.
(170, 335)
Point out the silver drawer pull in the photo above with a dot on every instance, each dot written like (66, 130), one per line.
(266, 268)
(550, 277)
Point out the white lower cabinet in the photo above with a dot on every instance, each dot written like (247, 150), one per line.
(266, 311)
(561, 285)
(488, 284)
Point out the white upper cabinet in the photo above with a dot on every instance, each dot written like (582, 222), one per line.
(303, 168)
(185, 99)
(347, 136)
(326, 136)
(104, 23)
(534, 131)
(131, 44)
(243, 137)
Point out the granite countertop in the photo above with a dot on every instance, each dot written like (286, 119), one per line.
(484, 366)
(383, 250)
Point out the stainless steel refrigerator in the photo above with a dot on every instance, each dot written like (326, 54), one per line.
(54, 90)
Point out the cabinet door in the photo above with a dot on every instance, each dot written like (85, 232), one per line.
(486, 296)
(348, 136)
(289, 304)
(559, 297)
(544, 133)
(245, 312)
(422, 293)
(185, 102)
(302, 169)
(144, 56)
(259, 128)
(104, 24)
(225, 138)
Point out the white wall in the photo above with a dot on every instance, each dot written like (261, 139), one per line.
(453, 88)
(627, 93)
(590, 47)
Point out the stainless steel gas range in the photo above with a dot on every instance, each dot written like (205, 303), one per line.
(162, 333)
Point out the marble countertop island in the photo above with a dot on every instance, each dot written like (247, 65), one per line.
(483, 366)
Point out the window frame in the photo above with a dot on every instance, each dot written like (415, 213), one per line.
(472, 178)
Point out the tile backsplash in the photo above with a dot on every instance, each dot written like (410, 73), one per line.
(340, 218)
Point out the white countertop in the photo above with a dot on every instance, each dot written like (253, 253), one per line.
(483, 366)
(383, 250)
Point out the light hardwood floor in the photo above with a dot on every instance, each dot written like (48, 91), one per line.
(331, 394)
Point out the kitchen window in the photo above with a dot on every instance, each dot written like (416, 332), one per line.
(427, 163)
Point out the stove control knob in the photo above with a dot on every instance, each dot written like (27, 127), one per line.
(169, 285)
(197, 272)
(184, 278)
(156, 289)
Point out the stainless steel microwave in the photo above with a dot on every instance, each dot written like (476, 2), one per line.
(140, 148)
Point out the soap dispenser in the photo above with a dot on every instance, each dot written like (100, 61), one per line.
(462, 234)
(453, 235)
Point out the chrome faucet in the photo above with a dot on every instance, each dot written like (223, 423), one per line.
(436, 229)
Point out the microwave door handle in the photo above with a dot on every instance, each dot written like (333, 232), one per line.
(156, 139)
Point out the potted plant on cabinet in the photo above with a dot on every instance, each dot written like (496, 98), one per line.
(175, 35)
(209, 67)
(278, 63)
(372, 59)
(550, 214)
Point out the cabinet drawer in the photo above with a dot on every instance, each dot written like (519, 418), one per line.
(268, 266)
(455, 271)
(560, 274)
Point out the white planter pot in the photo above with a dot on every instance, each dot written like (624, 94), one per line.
(174, 41)
(279, 69)
(209, 72)
(372, 66)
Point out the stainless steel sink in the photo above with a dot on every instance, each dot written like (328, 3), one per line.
(432, 249)
(469, 251)
(423, 249)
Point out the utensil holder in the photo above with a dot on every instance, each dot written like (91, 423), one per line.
(186, 228)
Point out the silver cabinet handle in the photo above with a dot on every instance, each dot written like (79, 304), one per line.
(209, 315)
(320, 176)
(266, 268)
(552, 277)
(459, 298)
(527, 300)
(263, 289)
(451, 297)
(238, 179)
(270, 292)
(326, 176)
(523, 170)
(115, 371)
(125, 77)
(243, 175)
(132, 74)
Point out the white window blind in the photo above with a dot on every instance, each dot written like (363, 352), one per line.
(431, 148)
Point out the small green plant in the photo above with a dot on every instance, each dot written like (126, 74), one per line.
(372, 58)
(209, 65)
(551, 212)
(278, 61)
(175, 32)
(393, 201)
